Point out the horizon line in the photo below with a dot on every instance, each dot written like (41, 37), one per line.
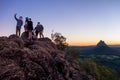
(96, 44)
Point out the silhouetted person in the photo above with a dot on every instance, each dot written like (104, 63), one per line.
(26, 25)
(19, 24)
(26, 19)
(39, 30)
(30, 28)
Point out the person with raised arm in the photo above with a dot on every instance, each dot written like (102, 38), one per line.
(18, 25)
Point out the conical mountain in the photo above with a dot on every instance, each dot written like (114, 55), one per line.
(103, 48)
(101, 44)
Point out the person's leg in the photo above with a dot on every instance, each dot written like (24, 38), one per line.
(30, 35)
(42, 34)
(17, 30)
(36, 33)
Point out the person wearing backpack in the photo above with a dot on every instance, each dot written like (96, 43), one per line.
(19, 24)
(39, 30)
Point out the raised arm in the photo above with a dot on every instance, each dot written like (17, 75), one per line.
(15, 17)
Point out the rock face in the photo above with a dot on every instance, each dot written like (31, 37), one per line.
(36, 60)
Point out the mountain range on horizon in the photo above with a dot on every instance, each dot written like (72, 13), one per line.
(101, 42)
(103, 48)
(100, 49)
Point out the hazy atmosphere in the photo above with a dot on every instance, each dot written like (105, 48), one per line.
(82, 22)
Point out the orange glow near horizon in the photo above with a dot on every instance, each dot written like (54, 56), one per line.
(82, 43)
(90, 43)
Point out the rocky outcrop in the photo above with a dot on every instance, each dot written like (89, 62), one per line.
(36, 60)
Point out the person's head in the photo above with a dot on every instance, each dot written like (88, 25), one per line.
(29, 19)
(20, 17)
(38, 23)
(26, 18)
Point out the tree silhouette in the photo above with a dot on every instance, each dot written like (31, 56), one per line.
(59, 40)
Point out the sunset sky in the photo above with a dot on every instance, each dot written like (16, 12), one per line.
(82, 22)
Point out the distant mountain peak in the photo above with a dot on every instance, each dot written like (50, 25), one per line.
(103, 49)
(101, 43)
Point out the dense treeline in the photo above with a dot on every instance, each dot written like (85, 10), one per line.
(99, 71)
(92, 67)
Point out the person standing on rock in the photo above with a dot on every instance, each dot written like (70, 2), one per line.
(26, 25)
(39, 30)
(30, 29)
(19, 24)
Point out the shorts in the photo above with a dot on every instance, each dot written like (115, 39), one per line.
(18, 27)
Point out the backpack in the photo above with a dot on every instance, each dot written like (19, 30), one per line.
(39, 28)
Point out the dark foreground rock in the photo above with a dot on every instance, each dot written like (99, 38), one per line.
(36, 60)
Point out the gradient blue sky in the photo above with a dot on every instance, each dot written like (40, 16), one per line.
(82, 22)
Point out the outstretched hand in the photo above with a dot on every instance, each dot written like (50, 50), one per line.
(15, 13)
